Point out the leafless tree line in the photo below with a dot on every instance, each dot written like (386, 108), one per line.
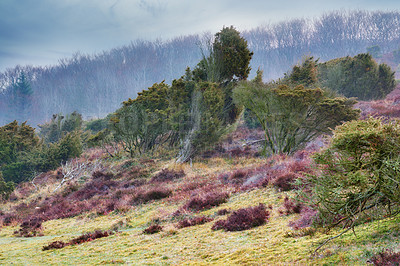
(278, 47)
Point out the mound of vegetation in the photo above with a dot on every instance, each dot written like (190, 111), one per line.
(194, 221)
(79, 240)
(30, 228)
(153, 229)
(244, 219)
(206, 201)
(23, 154)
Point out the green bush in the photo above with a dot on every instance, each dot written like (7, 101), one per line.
(24, 155)
(359, 172)
(70, 146)
(229, 58)
(359, 76)
(137, 129)
(6, 188)
(15, 138)
(17, 141)
(194, 112)
(97, 125)
(306, 73)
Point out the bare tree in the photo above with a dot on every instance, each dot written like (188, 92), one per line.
(74, 169)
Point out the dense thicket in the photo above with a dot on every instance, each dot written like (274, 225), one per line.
(94, 85)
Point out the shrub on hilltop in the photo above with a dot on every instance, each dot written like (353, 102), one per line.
(359, 76)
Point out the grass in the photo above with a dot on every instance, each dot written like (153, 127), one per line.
(266, 244)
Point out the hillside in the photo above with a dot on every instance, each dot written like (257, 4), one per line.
(214, 168)
(126, 196)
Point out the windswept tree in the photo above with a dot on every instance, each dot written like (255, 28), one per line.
(292, 115)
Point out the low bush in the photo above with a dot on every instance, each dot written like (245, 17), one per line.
(244, 219)
(155, 193)
(284, 182)
(307, 217)
(359, 173)
(290, 206)
(194, 221)
(153, 229)
(30, 228)
(223, 212)
(168, 175)
(55, 245)
(79, 240)
(90, 236)
(207, 201)
(236, 177)
(386, 258)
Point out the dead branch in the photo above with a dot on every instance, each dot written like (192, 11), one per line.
(33, 180)
(73, 169)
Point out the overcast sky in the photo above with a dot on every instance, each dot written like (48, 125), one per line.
(40, 32)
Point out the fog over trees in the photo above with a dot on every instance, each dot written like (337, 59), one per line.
(95, 85)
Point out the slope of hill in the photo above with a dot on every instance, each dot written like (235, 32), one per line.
(124, 197)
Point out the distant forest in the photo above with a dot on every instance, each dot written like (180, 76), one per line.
(95, 85)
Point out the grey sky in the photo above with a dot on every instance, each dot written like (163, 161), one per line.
(40, 32)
